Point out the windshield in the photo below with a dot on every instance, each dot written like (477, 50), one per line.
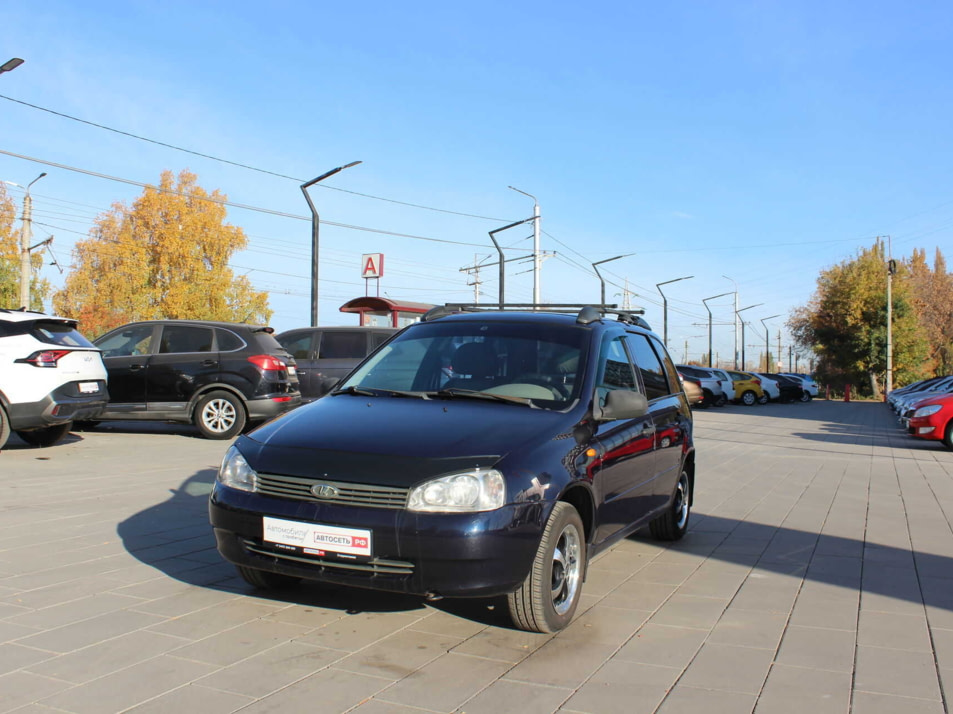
(528, 361)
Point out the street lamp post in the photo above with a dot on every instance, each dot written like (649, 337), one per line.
(26, 233)
(767, 366)
(536, 256)
(705, 303)
(658, 286)
(602, 294)
(738, 316)
(315, 223)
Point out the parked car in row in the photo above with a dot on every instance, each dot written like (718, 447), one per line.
(932, 418)
(50, 375)
(554, 436)
(808, 384)
(782, 388)
(710, 385)
(747, 388)
(324, 355)
(219, 376)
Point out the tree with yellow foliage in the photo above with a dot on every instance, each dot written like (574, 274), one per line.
(166, 257)
(10, 261)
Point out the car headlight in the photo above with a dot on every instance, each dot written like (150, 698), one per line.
(467, 492)
(236, 473)
(927, 411)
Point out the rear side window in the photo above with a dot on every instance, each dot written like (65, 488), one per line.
(339, 345)
(58, 333)
(177, 339)
(228, 341)
(299, 346)
(650, 367)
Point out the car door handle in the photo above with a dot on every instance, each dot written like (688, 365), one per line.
(135, 367)
(209, 363)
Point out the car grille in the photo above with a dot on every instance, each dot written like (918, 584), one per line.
(339, 492)
(377, 566)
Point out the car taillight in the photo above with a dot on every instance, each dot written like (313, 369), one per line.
(267, 363)
(45, 358)
(757, 381)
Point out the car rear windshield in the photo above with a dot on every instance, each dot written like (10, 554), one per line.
(56, 333)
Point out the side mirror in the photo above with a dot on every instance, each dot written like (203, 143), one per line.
(621, 404)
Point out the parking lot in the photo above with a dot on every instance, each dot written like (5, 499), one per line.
(816, 577)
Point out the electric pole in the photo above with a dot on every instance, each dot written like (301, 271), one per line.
(26, 233)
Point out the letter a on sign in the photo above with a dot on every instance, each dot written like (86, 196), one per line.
(372, 265)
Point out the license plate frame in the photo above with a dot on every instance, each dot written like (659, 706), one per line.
(318, 537)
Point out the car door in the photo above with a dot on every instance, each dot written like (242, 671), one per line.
(184, 362)
(624, 468)
(668, 410)
(339, 351)
(126, 354)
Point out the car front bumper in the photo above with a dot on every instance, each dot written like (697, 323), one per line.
(433, 554)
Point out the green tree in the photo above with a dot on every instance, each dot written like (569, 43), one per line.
(166, 256)
(845, 324)
(10, 261)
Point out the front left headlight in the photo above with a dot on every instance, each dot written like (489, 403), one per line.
(236, 473)
(465, 492)
(927, 411)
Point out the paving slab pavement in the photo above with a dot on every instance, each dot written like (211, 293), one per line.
(817, 576)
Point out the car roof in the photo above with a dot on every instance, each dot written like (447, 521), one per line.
(202, 323)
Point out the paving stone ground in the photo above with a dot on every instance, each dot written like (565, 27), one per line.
(817, 577)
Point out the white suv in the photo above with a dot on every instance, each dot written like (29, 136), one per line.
(49, 375)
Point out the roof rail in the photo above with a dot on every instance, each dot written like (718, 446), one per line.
(586, 314)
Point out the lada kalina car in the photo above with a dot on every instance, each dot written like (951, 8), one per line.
(50, 375)
(553, 436)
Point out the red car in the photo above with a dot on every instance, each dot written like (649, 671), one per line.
(933, 419)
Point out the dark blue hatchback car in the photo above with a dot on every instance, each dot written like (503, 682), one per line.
(476, 453)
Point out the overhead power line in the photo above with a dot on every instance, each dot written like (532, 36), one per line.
(246, 166)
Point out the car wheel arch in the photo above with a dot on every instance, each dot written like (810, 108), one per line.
(217, 387)
(579, 497)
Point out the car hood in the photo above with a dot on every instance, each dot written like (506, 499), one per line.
(396, 441)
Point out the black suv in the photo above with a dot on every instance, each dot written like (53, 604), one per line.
(476, 453)
(324, 355)
(217, 375)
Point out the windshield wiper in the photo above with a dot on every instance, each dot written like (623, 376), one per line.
(378, 392)
(474, 394)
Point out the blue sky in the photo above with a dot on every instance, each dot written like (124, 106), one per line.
(763, 141)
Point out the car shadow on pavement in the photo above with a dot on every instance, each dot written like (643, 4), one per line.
(175, 538)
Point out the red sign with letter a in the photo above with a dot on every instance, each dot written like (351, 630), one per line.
(372, 265)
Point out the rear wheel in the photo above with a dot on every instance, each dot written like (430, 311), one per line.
(219, 415)
(266, 580)
(547, 599)
(722, 400)
(672, 524)
(806, 396)
(47, 436)
(749, 398)
(764, 398)
(4, 427)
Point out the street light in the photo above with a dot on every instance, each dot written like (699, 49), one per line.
(602, 294)
(26, 234)
(10, 64)
(767, 367)
(658, 286)
(536, 256)
(315, 222)
(737, 317)
(705, 303)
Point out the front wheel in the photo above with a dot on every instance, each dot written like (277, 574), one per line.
(673, 524)
(47, 436)
(947, 436)
(219, 415)
(547, 599)
(4, 427)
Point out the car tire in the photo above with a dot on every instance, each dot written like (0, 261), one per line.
(721, 401)
(947, 435)
(806, 396)
(749, 398)
(764, 398)
(4, 427)
(47, 436)
(266, 580)
(548, 597)
(219, 415)
(673, 524)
